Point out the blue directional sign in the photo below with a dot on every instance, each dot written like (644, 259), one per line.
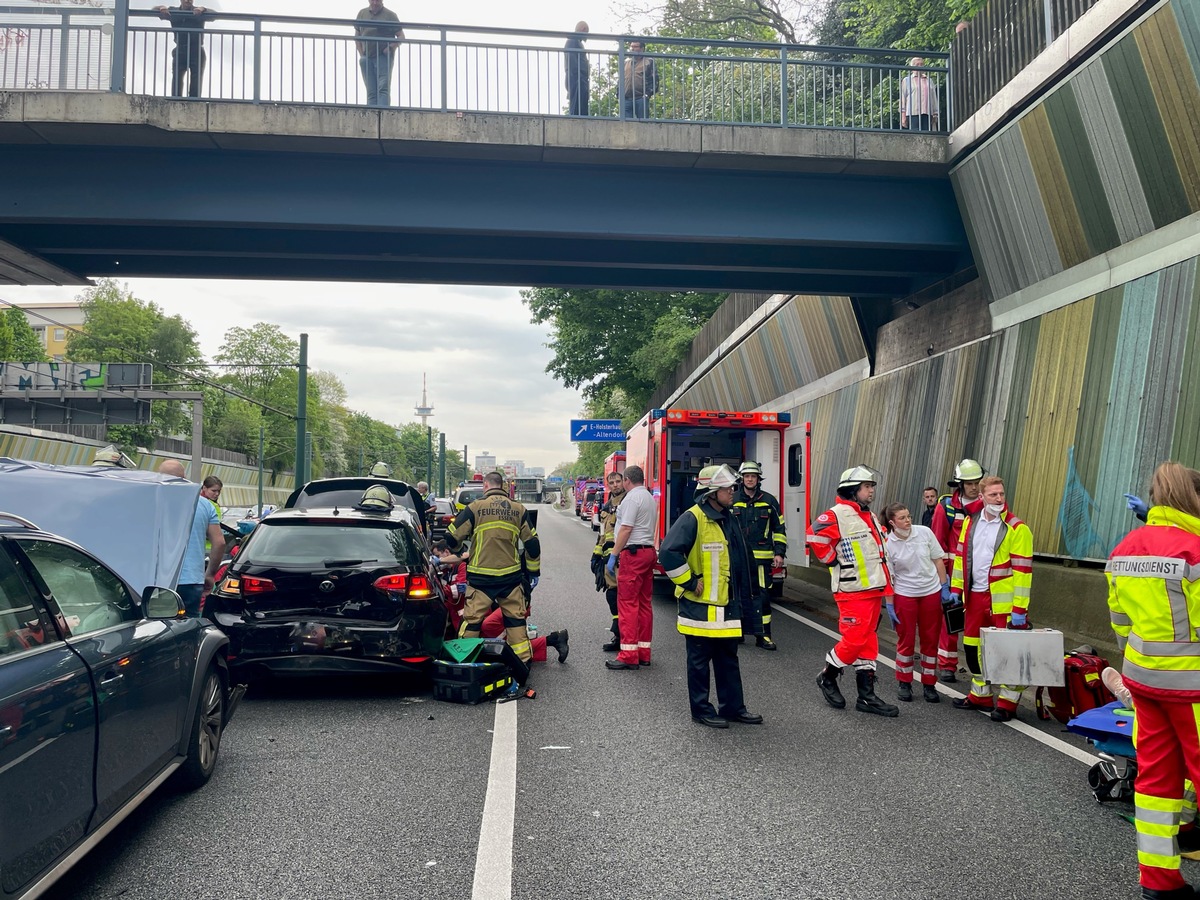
(597, 430)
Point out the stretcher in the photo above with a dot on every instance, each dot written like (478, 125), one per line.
(1109, 729)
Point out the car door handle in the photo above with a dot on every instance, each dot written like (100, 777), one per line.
(112, 680)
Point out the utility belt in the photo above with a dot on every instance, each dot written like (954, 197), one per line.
(633, 548)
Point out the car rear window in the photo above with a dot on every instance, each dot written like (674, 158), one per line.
(470, 496)
(345, 499)
(305, 543)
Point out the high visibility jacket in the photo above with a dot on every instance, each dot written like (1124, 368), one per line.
(761, 522)
(948, 517)
(500, 526)
(1011, 570)
(1154, 603)
(705, 545)
(846, 537)
(608, 533)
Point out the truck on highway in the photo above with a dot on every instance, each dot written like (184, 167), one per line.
(530, 488)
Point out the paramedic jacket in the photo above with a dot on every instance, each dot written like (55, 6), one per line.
(499, 525)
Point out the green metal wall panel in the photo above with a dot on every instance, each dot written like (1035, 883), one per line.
(1086, 190)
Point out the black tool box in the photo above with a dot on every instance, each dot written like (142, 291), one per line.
(469, 682)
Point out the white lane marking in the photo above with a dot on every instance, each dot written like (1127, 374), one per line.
(1028, 730)
(493, 859)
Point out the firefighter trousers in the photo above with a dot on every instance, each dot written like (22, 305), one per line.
(858, 619)
(610, 594)
(918, 615)
(513, 606)
(635, 611)
(978, 614)
(1167, 737)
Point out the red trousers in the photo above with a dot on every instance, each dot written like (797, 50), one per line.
(858, 618)
(635, 612)
(1167, 736)
(977, 615)
(493, 626)
(923, 614)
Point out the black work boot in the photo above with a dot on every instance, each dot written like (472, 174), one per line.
(904, 691)
(827, 681)
(558, 640)
(612, 646)
(867, 701)
(1187, 892)
(931, 694)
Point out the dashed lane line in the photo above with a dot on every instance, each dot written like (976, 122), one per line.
(493, 859)
(1028, 730)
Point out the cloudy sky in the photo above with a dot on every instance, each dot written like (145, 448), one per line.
(485, 359)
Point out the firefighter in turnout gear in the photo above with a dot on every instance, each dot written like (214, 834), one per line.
(848, 540)
(947, 522)
(604, 544)
(495, 574)
(758, 514)
(1154, 605)
(705, 555)
(993, 569)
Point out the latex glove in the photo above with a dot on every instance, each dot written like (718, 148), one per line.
(1137, 504)
(1017, 619)
(947, 597)
(533, 581)
(891, 610)
(462, 589)
(435, 561)
(611, 565)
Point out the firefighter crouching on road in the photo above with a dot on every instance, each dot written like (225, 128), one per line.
(947, 522)
(847, 539)
(494, 571)
(1154, 603)
(993, 569)
(757, 512)
(604, 544)
(705, 555)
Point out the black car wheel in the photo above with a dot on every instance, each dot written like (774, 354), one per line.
(204, 743)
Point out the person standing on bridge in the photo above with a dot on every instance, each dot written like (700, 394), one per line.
(376, 55)
(705, 555)
(640, 79)
(757, 512)
(579, 78)
(1154, 604)
(187, 21)
(633, 544)
(952, 510)
(494, 570)
(604, 544)
(847, 539)
(918, 99)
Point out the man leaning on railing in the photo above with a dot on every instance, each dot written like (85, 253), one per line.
(375, 56)
(187, 21)
(641, 81)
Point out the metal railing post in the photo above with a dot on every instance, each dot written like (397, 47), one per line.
(63, 48)
(120, 47)
(621, 80)
(445, 69)
(783, 87)
(1049, 14)
(258, 59)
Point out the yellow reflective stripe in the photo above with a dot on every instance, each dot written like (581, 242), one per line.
(488, 526)
(681, 572)
(483, 570)
(860, 563)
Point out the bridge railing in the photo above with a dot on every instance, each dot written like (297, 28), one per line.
(286, 59)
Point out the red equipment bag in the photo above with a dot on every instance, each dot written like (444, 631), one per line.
(1083, 689)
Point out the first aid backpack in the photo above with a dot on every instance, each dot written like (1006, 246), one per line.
(1082, 690)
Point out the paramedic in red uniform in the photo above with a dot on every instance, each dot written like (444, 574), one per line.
(1154, 604)
(847, 539)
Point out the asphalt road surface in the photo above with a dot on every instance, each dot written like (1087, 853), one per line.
(603, 787)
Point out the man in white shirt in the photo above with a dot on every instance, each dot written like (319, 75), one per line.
(636, 519)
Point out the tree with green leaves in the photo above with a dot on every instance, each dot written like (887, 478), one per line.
(18, 341)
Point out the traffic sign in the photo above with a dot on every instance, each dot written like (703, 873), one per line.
(597, 430)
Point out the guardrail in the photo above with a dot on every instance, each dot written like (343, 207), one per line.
(287, 59)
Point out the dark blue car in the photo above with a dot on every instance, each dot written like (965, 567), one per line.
(104, 695)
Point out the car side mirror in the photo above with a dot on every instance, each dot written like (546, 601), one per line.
(162, 603)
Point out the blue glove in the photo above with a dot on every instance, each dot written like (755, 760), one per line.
(462, 589)
(1017, 619)
(1137, 504)
(891, 608)
(533, 581)
(435, 561)
(611, 565)
(947, 599)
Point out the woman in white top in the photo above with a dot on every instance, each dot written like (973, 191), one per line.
(919, 579)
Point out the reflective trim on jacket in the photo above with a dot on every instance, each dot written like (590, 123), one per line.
(500, 526)
(761, 523)
(1011, 571)
(696, 548)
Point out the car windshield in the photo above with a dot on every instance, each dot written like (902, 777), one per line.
(304, 543)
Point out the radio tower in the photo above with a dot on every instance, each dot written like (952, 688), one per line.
(424, 410)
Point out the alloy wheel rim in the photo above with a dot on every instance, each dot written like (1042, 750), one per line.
(210, 721)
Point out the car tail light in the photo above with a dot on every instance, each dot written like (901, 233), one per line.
(252, 585)
(415, 586)
(415, 659)
(235, 550)
(446, 520)
(220, 573)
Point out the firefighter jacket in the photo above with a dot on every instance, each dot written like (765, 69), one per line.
(705, 544)
(847, 538)
(761, 523)
(948, 518)
(1011, 570)
(1154, 604)
(605, 541)
(499, 526)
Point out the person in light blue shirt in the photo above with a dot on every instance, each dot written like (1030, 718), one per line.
(195, 579)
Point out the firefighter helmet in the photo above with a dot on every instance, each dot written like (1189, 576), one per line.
(376, 497)
(712, 478)
(855, 476)
(969, 470)
(750, 467)
(381, 470)
(111, 456)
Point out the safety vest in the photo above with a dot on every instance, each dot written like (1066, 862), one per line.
(703, 615)
(860, 557)
(1011, 571)
(1154, 600)
(760, 521)
(496, 525)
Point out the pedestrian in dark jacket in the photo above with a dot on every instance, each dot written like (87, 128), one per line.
(578, 74)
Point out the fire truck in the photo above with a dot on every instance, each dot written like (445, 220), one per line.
(673, 445)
